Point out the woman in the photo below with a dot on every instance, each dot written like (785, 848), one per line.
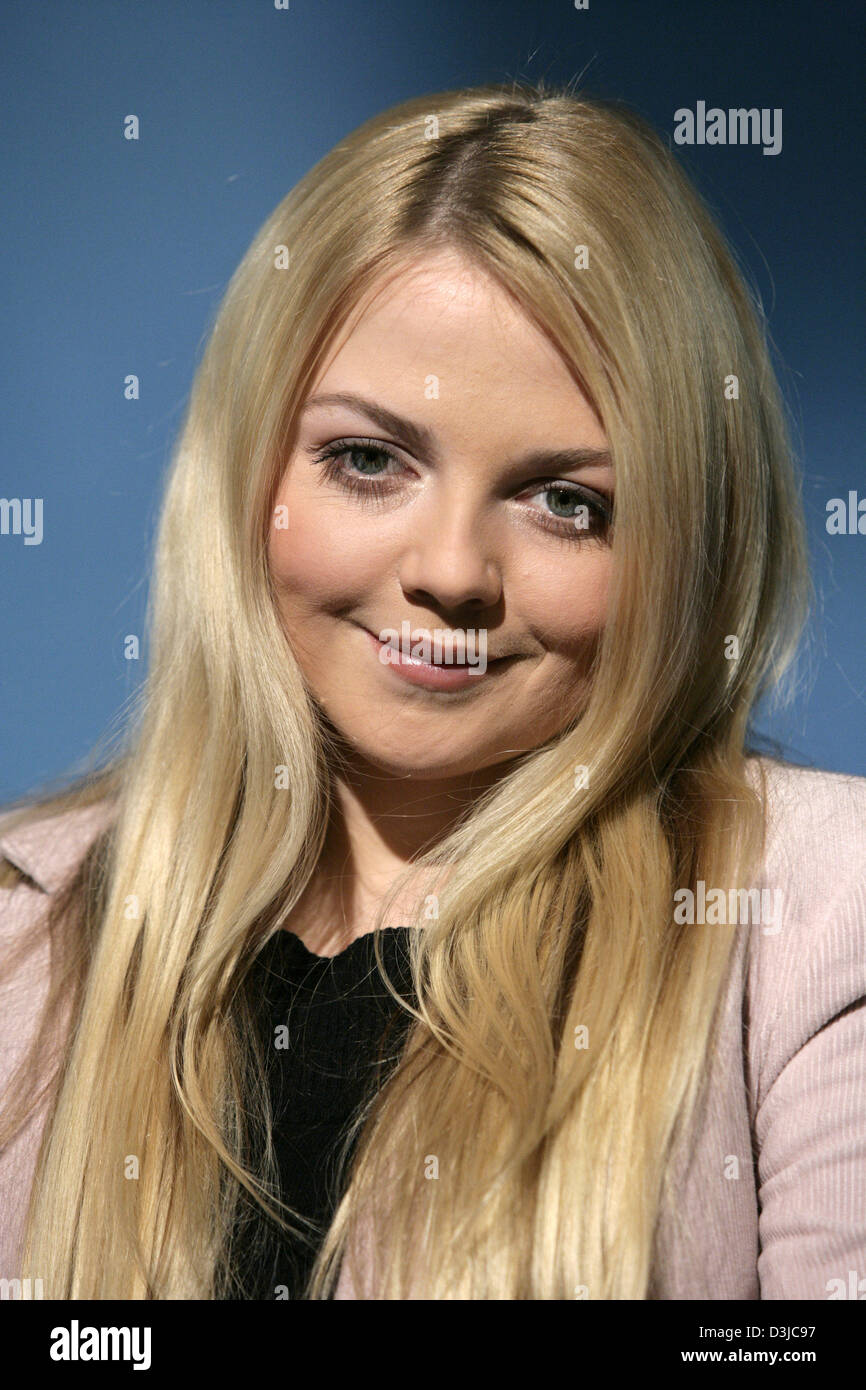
(633, 948)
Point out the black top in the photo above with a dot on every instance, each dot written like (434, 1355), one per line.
(332, 1033)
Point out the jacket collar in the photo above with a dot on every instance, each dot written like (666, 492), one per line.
(50, 848)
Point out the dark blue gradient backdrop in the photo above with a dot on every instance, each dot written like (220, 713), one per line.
(116, 252)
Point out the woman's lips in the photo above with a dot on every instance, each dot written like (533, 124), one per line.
(433, 677)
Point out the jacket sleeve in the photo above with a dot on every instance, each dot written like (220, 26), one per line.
(22, 996)
(807, 1046)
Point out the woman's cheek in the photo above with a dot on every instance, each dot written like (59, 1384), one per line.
(322, 564)
(567, 622)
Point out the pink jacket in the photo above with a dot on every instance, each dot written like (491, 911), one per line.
(772, 1200)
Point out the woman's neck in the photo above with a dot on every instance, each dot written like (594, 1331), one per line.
(378, 825)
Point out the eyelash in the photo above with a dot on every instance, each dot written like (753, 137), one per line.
(375, 490)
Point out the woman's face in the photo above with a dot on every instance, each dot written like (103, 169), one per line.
(447, 510)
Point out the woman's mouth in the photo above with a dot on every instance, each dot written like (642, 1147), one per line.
(448, 674)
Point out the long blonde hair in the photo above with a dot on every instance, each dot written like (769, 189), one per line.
(555, 901)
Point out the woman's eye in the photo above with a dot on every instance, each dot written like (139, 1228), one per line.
(573, 510)
(357, 465)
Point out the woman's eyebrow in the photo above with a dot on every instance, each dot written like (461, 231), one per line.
(422, 441)
(419, 439)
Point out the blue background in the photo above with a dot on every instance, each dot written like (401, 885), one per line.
(115, 255)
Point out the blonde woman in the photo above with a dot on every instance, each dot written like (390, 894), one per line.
(504, 969)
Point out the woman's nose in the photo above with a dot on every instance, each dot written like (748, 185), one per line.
(450, 559)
